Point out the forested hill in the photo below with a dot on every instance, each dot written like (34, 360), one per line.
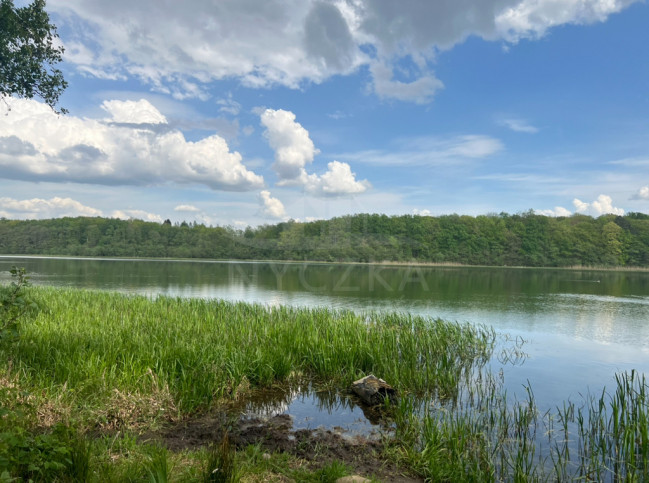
(524, 239)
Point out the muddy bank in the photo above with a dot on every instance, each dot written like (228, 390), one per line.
(315, 426)
(316, 447)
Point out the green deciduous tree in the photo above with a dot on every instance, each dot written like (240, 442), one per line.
(28, 54)
(522, 239)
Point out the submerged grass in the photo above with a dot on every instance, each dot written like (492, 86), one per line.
(485, 436)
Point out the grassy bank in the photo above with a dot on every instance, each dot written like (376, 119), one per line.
(108, 362)
(90, 344)
(93, 371)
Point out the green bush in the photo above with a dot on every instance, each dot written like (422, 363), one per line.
(28, 456)
(14, 304)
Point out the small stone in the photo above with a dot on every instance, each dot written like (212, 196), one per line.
(352, 479)
(266, 456)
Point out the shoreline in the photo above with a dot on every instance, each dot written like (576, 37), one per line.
(385, 263)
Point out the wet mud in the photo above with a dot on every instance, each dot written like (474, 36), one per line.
(302, 423)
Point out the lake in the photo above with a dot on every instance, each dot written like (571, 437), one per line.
(579, 327)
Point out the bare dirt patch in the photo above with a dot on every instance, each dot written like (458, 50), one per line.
(317, 447)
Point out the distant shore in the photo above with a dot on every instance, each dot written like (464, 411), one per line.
(393, 263)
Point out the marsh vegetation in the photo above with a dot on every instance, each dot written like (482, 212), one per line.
(96, 380)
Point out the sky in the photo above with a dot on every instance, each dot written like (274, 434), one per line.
(249, 112)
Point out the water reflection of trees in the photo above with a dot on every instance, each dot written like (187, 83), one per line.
(377, 282)
(324, 405)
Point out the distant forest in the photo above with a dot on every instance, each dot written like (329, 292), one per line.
(526, 239)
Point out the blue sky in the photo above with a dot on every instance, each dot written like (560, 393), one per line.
(244, 112)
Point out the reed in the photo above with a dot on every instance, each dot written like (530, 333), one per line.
(181, 355)
(612, 432)
(484, 436)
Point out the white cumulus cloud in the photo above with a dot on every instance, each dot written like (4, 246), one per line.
(134, 146)
(601, 206)
(290, 141)
(642, 194)
(180, 47)
(271, 207)
(37, 208)
(294, 150)
(136, 215)
(558, 211)
(133, 112)
(424, 212)
(338, 180)
(532, 18)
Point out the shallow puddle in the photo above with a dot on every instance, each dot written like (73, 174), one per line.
(310, 409)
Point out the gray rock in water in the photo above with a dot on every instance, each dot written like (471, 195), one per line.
(374, 391)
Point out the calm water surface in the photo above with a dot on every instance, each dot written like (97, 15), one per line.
(579, 327)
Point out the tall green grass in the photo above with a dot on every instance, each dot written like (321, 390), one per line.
(485, 436)
(89, 347)
(611, 439)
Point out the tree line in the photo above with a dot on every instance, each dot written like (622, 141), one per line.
(525, 239)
